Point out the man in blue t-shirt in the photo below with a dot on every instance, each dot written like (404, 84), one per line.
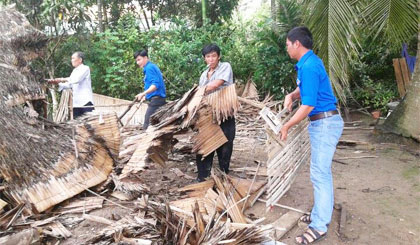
(154, 87)
(325, 128)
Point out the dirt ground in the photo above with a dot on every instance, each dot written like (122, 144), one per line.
(381, 195)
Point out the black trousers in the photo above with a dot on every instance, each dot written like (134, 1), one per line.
(154, 104)
(224, 152)
(77, 112)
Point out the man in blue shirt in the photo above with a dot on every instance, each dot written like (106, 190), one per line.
(325, 128)
(154, 87)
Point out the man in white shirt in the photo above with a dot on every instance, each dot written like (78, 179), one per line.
(81, 84)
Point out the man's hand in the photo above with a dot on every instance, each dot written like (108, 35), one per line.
(283, 132)
(141, 97)
(288, 102)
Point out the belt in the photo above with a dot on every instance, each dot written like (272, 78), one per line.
(150, 99)
(323, 115)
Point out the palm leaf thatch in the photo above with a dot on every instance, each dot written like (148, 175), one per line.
(162, 225)
(397, 18)
(333, 25)
(44, 163)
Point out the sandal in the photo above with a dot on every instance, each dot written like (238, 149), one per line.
(311, 236)
(306, 218)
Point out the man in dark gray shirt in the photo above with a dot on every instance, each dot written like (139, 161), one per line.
(216, 76)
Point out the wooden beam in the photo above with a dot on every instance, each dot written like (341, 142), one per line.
(399, 77)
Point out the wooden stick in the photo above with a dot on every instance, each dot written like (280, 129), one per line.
(286, 207)
(113, 105)
(234, 205)
(347, 158)
(250, 187)
(98, 219)
(106, 199)
(128, 108)
(129, 119)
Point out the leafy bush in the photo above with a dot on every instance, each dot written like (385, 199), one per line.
(274, 70)
(374, 95)
(372, 78)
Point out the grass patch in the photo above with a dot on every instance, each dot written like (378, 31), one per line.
(411, 172)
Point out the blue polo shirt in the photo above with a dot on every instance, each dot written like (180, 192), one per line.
(314, 84)
(153, 76)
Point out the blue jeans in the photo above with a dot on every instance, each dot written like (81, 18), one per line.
(324, 135)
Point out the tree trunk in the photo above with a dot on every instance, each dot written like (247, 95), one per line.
(404, 120)
(204, 11)
(100, 23)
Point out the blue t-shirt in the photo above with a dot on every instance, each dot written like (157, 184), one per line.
(153, 76)
(314, 84)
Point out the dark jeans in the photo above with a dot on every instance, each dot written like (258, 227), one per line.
(77, 112)
(224, 152)
(154, 104)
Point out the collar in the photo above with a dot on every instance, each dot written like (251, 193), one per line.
(148, 63)
(217, 67)
(303, 59)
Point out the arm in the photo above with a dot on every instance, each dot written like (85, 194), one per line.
(288, 100)
(141, 96)
(300, 114)
(214, 85)
(308, 95)
(76, 76)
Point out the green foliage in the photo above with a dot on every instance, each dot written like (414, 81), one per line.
(398, 19)
(374, 95)
(372, 77)
(113, 68)
(217, 10)
(177, 52)
(274, 70)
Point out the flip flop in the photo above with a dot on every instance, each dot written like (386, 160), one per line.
(311, 236)
(306, 218)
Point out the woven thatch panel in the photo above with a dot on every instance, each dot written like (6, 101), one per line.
(285, 158)
(101, 102)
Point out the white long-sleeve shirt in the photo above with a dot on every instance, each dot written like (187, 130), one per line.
(81, 84)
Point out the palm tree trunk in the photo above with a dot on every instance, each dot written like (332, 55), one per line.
(100, 19)
(404, 120)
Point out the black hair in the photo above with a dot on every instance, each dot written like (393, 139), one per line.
(210, 48)
(301, 34)
(142, 53)
(81, 55)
